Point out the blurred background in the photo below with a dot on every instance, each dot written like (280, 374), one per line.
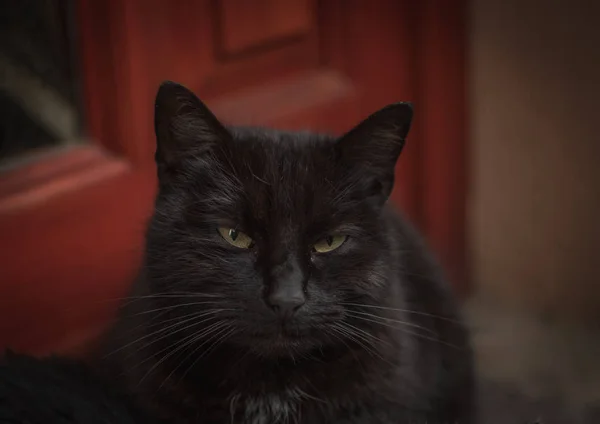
(500, 172)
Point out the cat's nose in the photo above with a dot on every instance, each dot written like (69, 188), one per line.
(286, 302)
(285, 293)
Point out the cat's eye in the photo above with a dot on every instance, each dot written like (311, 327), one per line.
(329, 243)
(236, 237)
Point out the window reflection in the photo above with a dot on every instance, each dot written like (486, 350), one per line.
(39, 98)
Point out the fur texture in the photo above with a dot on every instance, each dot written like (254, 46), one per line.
(59, 391)
(373, 336)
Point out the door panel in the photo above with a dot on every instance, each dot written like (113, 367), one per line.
(247, 25)
(71, 225)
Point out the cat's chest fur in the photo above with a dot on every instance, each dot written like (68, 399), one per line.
(267, 408)
(294, 408)
(259, 400)
(291, 405)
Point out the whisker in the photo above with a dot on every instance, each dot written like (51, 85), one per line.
(405, 323)
(409, 311)
(154, 322)
(187, 327)
(365, 334)
(219, 333)
(341, 339)
(372, 350)
(166, 295)
(308, 395)
(419, 335)
(175, 344)
(161, 330)
(130, 300)
(171, 307)
(349, 334)
(220, 338)
(180, 346)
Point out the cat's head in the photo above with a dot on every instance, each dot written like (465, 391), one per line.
(265, 236)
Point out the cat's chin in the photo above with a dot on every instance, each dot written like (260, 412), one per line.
(279, 346)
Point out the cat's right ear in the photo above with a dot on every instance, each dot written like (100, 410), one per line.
(373, 147)
(184, 127)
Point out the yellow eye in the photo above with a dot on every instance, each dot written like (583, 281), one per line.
(236, 238)
(329, 243)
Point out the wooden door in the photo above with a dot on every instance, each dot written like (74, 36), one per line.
(72, 221)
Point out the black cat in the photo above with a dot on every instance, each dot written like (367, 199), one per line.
(278, 286)
(60, 391)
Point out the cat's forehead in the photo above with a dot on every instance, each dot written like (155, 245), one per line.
(279, 155)
(285, 174)
(279, 141)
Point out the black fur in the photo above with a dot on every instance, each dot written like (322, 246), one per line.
(59, 391)
(378, 339)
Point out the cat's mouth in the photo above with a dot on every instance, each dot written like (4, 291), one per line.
(282, 340)
(281, 344)
(286, 334)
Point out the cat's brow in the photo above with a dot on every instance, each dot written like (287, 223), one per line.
(348, 229)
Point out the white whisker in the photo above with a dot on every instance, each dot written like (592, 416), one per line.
(180, 345)
(386, 319)
(409, 311)
(163, 329)
(404, 330)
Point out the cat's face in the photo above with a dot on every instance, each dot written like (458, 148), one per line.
(263, 236)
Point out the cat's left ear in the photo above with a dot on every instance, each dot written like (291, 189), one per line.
(184, 126)
(374, 145)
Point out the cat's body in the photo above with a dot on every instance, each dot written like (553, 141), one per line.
(237, 319)
(60, 391)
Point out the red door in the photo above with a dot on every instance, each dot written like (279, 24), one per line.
(72, 218)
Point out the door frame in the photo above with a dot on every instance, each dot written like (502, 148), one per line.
(442, 116)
